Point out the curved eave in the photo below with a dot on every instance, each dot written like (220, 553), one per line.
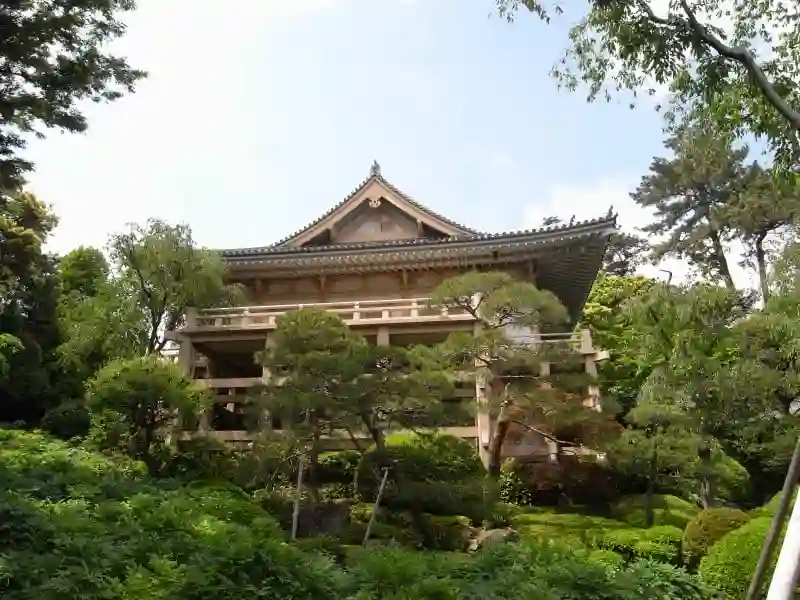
(566, 259)
(605, 226)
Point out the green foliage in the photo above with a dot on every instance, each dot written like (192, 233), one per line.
(202, 458)
(711, 55)
(605, 315)
(428, 472)
(163, 270)
(607, 558)
(707, 528)
(326, 379)
(339, 467)
(661, 543)
(30, 379)
(571, 530)
(729, 564)
(575, 480)
(513, 572)
(83, 271)
(79, 524)
(136, 403)
(669, 510)
(668, 582)
(62, 51)
(68, 420)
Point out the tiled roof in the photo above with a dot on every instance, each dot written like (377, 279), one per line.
(583, 228)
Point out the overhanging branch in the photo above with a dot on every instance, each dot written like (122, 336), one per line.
(746, 58)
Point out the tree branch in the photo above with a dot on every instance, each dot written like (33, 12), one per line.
(550, 437)
(746, 58)
(653, 16)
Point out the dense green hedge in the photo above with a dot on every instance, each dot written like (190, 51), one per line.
(729, 564)
(661, 543)
(706, 529)
(668, 510)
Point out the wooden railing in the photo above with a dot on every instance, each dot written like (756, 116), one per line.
(364, 312)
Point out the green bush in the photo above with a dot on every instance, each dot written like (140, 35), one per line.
(669, 510)
(607, 558)
(706, 529)
(768, 510)
(513, 572)
(82, 525)
(571, 530)
(68, 420)
(575, 480)
(338, 467)
(202, 458)
(665, 582)
(662, 543)
(729, 564)
(431, 472)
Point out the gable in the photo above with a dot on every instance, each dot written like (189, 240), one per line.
(379, 220)
(376, 211)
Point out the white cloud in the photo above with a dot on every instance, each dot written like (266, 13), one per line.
(592, 200)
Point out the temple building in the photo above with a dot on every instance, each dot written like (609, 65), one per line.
(374, 259)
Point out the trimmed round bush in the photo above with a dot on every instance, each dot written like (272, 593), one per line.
(430, 472)
(729, 564)
(708, 527)
(668, 510)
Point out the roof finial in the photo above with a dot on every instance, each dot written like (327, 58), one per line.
(610, 212)
(375, 169)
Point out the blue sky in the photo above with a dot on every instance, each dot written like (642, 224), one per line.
(256, 119)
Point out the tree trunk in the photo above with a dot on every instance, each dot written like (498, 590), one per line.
(761, 262)
(313, 470)
(491, 492)
(652, 473)
(496, 443)
(722, 261)
(706, 483)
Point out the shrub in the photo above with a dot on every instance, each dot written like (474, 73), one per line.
(338, 467)
(202, 458)
(136, 402)
(607, 558)
(729, 564)
(662, 543)
(571, 530)
(668, 510)
(656, 580)
(707, 528)
(431, 472)
(574, 480)
(68, 420)
(61, 539)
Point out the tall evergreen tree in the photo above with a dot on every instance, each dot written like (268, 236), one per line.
(690, 195)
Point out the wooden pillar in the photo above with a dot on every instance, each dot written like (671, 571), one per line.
(186, 356)
(383, 336)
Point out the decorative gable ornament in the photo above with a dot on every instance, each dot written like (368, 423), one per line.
(374, 202)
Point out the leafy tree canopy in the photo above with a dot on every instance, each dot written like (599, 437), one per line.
(53, 56)
(732, 62)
